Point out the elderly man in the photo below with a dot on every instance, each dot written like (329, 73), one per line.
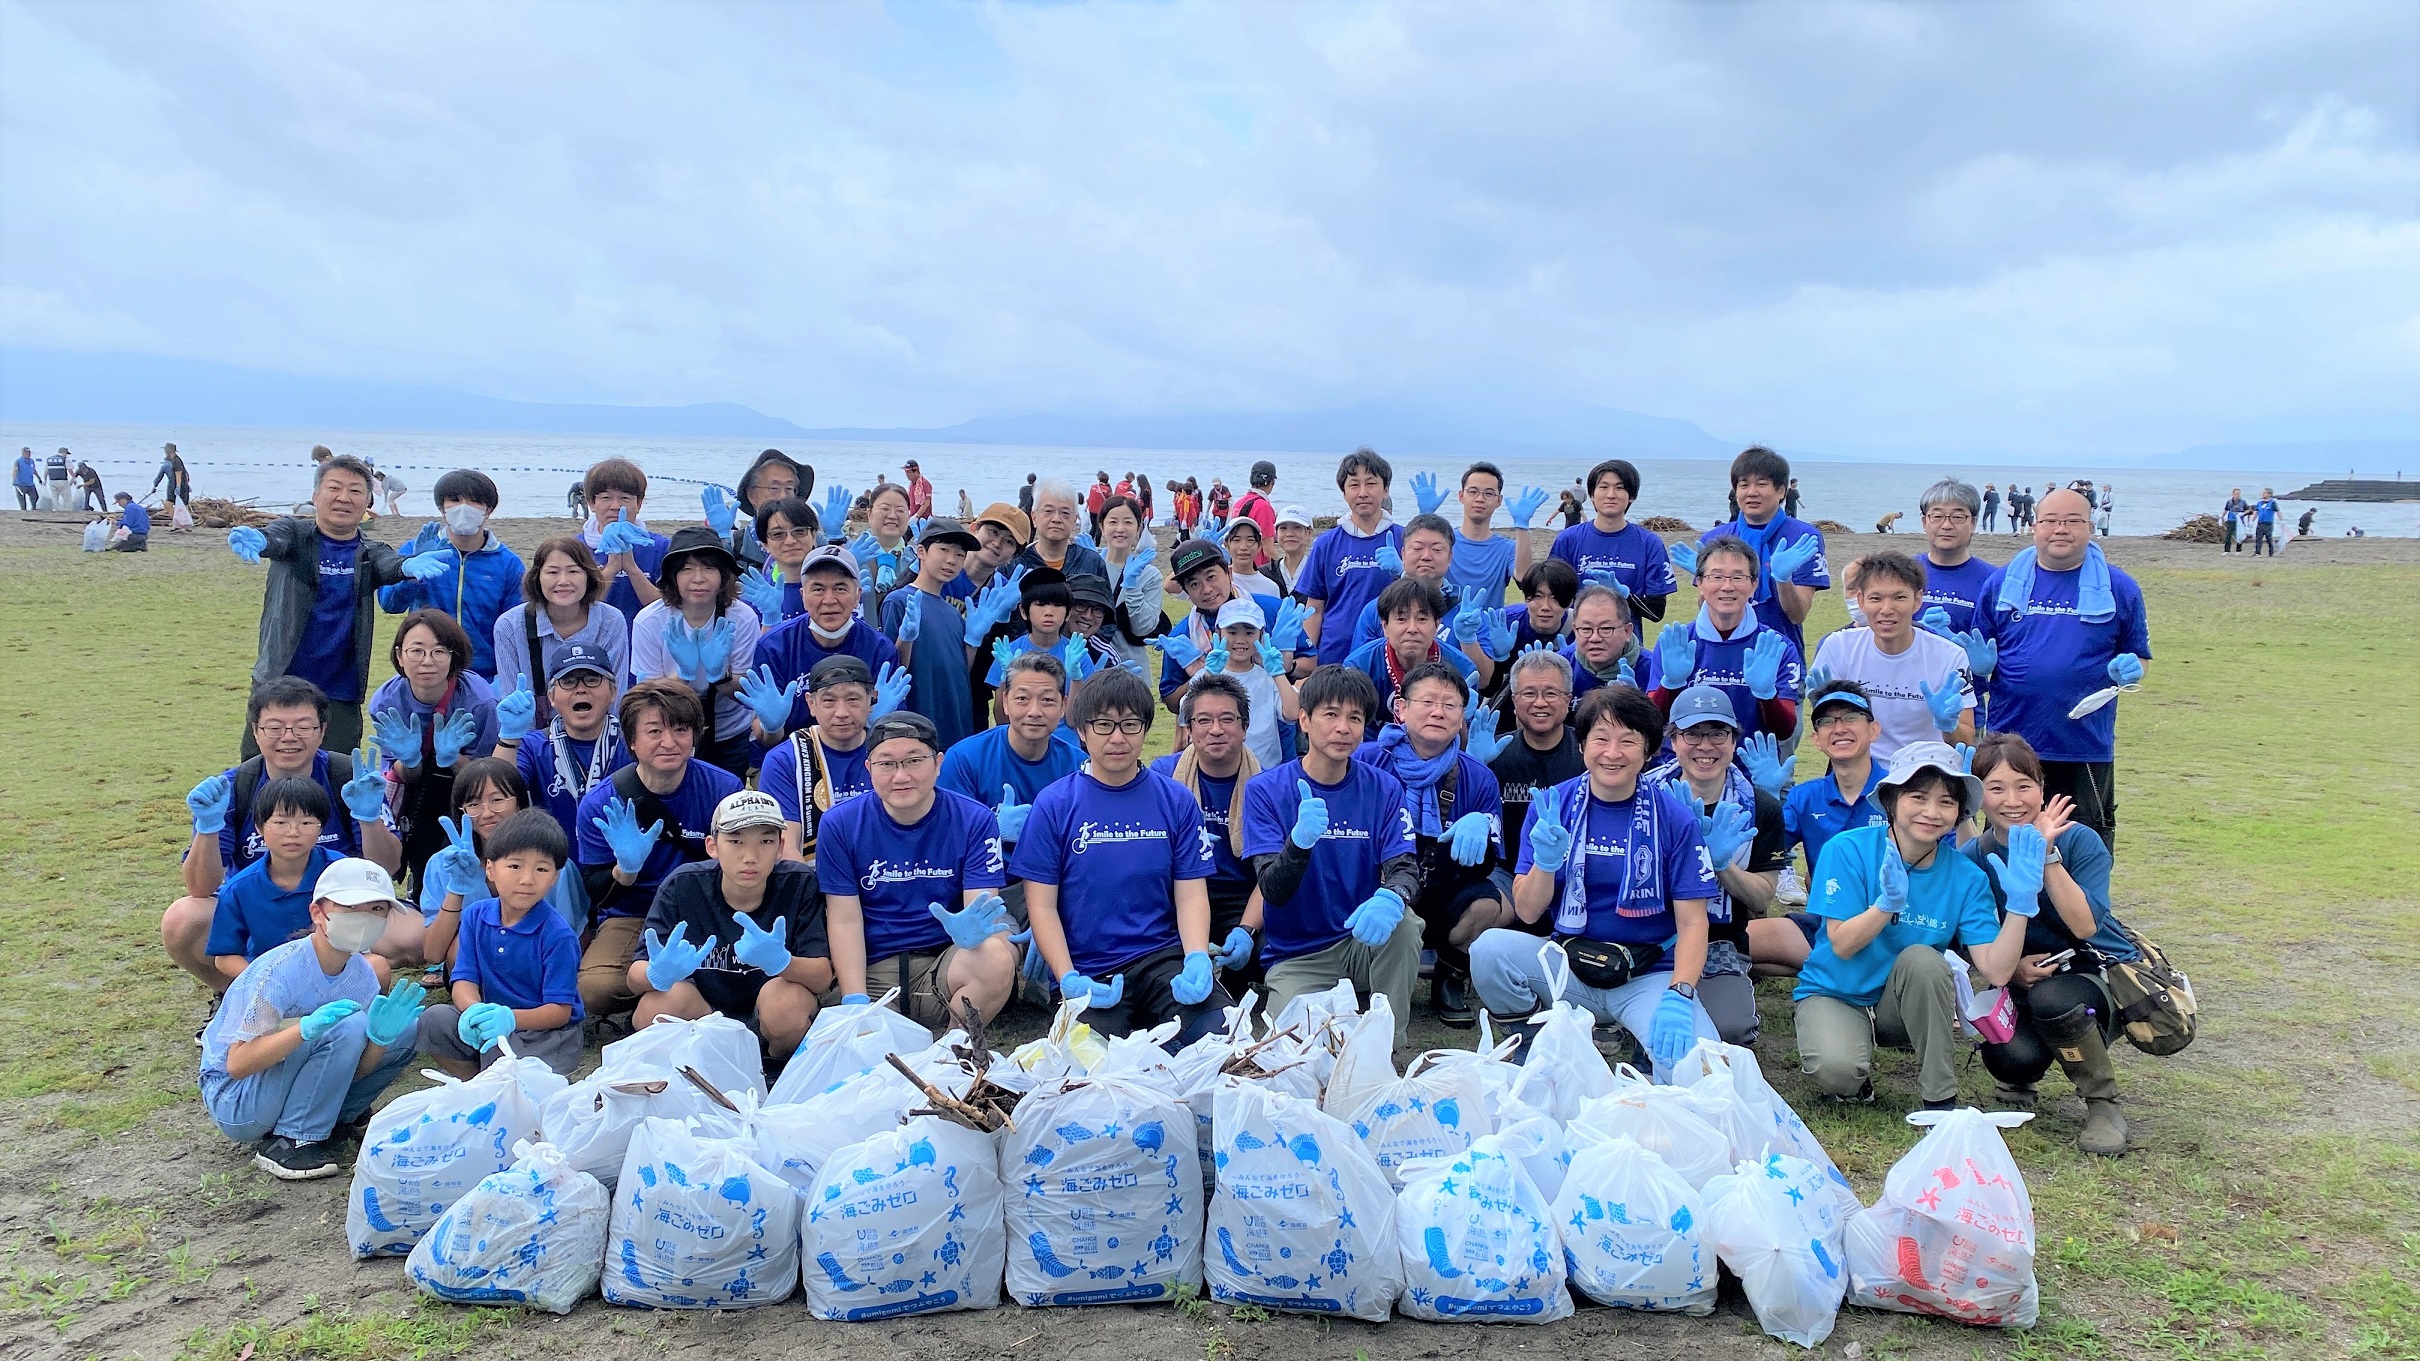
(1546, 753)
(2071, 630)
(1056, 517)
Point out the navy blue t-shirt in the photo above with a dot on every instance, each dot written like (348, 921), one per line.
(558, 781)
(779, 776)
(1630, 903)
(942, 690)
(792, 650)
(647, 557)
(324, 654)
(980, 765)
(1115, 855)
(897, 873)
(1342, 570)
(1636, 556)
(703, 785)
(1368, 825)
(239, 842)
(2050, 658)
(1228, 871)
(1956, 589)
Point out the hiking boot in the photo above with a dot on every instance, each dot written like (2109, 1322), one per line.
(1449, 997)
(287, 1160)
(2104, 1128)
(2009, 1098)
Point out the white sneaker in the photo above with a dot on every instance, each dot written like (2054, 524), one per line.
(1792, 890)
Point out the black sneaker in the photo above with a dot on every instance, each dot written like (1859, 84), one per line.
(207, 1017)
(287, 1160)
(1449, 997)
(1864, 1096)
(1949, 1105)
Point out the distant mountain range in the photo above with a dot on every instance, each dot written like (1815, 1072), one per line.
(130, 389)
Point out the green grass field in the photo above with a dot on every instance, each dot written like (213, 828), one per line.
(2272, 1208)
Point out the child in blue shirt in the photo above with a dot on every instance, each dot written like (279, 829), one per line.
(516, 972)
(268, 902)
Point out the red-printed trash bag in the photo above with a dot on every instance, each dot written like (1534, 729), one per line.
(1953, 1233)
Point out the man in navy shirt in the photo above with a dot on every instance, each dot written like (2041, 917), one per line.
(581, 744)
(638, 825)
(1217, 766)
(1350, 564)
(1411, 613)
(1953, 575)
(2264, 521)
(1007, 766)
(829, 588)
(817, 768)
(1331, 842)
(1789, 552)
(1115, 859)
(1611, 551)
(1728, 646)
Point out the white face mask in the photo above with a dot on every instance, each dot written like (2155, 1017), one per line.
(355, 932)
(465, 518)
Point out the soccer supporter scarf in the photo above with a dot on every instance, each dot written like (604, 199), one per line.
(1420, 775)
(1643, 873)
(567, 767)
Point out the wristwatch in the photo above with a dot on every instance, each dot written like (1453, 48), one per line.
(1688, 990)
(2051, 856)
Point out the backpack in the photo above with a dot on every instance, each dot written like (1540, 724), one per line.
(249, 774)
(2154, 999)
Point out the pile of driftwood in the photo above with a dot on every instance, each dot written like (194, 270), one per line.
(987, 1106)
(2199, 529)
(217, 512)
(1667, 524)
(1833, 527)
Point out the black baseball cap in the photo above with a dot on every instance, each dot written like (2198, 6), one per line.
(840, 669)
(1090, 588)
(686, 543)
(946, 529)
(582, 657)
(902, 723)
(1192, 556)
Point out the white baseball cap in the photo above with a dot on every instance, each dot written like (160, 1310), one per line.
(1243, 610)
(355, 882)
(745, 809)
(1293, 515)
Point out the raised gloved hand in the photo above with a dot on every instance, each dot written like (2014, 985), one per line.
(1004, 651)
(673, 958)
(1078, 659)
(247, 543)
(1625, 674)
(1606, 576)
(763, 947)
(834, 517)
(1137, 563)
(761, 593)
(1215, 661)
(1178, 647)
(1815, 679)
(210, 802)
(324, 1019)
(1893, 877)
(456, 868)
(455, 735)
(911, 619)
(1484, 743)
(1935, 620)
(1470, 622)
(1549, 839)
(1424, 490)
(365, 795)
(993, 604)
(1310, 817)
(1674, 1029)
(886, 570)
(1676, 654)
(1376, 918)
(1012, 814)
(1073, 984)
(1763, 664)
(722, 513)
(1727, 832)
(630, 843)
(1526, 506)
(1982, 654)
(2125, 669)
(1966, 759)
(865, 548)
(1791, 557)
(1766, 769)
(1192, 983)
(1683, 556)
(1271, 660)
(768, 699)
(516, 711)
(2020, 871)
(399, 735)
(1291, 614)
(620, 536)
(1946, 703)
(891, 687)
(1467, 839)
(854, 999)
(1237, 952)
(484, 1023)
(1388, 559)
(430, 565)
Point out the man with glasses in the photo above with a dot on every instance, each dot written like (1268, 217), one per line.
(1953, 575)
(911, 879)
(1544, 753)
(1216, 766)
(1486, 562)
(786, 655)
(1729, 646)
(1604, 649)
(1054, 545)
(819, 767)
(1742, 828)
(579, 746)
(1115, 859)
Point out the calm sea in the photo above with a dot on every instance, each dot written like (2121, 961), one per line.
(535, 470)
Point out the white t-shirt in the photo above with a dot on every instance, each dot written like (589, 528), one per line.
(1890, 682)
(1262, 736)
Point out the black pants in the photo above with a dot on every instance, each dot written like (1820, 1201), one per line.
(2092, 785)
(2027, 1056)
(1146, 1002)
(343, 731)
(2266, 533)
(28, 498)
(132, 543)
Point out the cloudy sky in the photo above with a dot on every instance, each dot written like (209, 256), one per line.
(1853, 227)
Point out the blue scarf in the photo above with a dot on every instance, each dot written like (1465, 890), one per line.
(1644, 873)
(1419, 775)
(1737, 789)
(2094, 602)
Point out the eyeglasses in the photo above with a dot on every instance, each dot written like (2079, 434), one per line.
(427, 654)
(1104, 727)
(1215, 721)
(2062, 521)
(278, 732)
(789, 535)
(1598, 630)
(1947, 515)
(1726, 578)
(1838, 717)
(1533, 695)
(888, 767)
(1703, 735)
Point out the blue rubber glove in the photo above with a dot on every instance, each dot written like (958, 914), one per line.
(1073, 985)
(454, 736)
(1192, 984)
(865, 548)
(992, 606)
(1496, 636)
(1288, 630)
(1966, 759)
(2126, 669)
(1946, 703)
(834, 517)
(1674, 1029)
(1136, 564)
(1763, 664)
(1766, 770)
(1470, 623)
(770, 700)
(673, 958)
(1424, 490)
(2020, 872)
(1032, 967)
(1982, 654)
(1625, 674)
(365, 795)
(1179, 648)
(1484, 743)
(1935, 620)
(210, 802)
(1079, 664)
(1683, 556)
(1012, 814)
(430, 565)
(630, 843)
(1004, 651)
(722, 513)
(319, 1022)
(1271, 660)
(1388, 559)
(1727, 831)
(1893, 877)
(1525, 507)
(516, 711)
(247, 543)
(1796, 554)
(1549, 839)
(1815, 679)
(681, 648)
(456, 868)
(484, 1023)
(1237, 952)
(1310, 817)
(854, 999)
(1610, 578)
(911, 619)
(621, 536)
(1084, 539)
(1376, 918)
(1467, 839)
(395, 1013)
(1676, 654)
(886, 570)
(763, 947)
(399, 736)
(891, 688)
(761, 593)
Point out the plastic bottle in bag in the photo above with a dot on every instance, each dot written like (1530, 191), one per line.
(533, 1235)
(1634, 1232)
(1478, 1240)
(909, 1221)
(698, 1223)
(428, 1148)
(1303, 1219)
(1104, 1199)
(1953, 1234)
(1777, 1227)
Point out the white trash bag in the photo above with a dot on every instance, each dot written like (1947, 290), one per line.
(698, 1223)
(793, 1141)
(1778, 1229)
(590, 1122)
(96, 536)
(1663, 1120)
(532, 1234)
(1478, 1239)
(428, 1148)
(1303, 1219)
(1563, 1069)
(906, 1222)
(1953, 1233)
(1785, 1132)
(1634, 1232)
(723, 1051)
(1104, 1195)
(844, 1041)
(1435, 1110)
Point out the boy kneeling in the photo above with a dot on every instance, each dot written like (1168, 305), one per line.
(516, 961)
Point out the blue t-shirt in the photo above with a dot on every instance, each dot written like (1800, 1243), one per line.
(559, 780)
(792, 650)
(1115, 855)
(324, 653)
(1524, 632)
(1635, 555)
(703, 785)
(779, 776)
(2267, 510)
(1368, 825)
(1228, 871)
(2050, 658)
(1370, 660)
(937, 665)
(25, 471)
(1638, 858)
(621, 594)
(470, 692)
(980, 765)
(1723, 663)
(1948, 903)
(239, 842)
(535, 962)
(254, 914)
(1812, 812)
(897, 873)
(1780, 530)
(1342, 570)
(1481, 568)
(1956, 589)
(135, 519)
(283, 985)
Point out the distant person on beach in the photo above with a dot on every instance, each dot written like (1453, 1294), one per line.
(575, 500)
(2264, 522)
(60, 473)
(1095, 497)
(966, 506)
(1789, 499)
(2104, 508)
(95, 498)
(1025, 496)
(1569, 509)
(2235, 512)
(919, 491)
(2302, 527)
(134, 527)
(1991, 508)
(25, 480)
(173, 475)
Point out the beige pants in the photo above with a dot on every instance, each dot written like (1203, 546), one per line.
(1917, 1010)
(1392, 969)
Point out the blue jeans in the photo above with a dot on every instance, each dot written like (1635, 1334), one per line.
(306, 1096)
(1505, 968)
